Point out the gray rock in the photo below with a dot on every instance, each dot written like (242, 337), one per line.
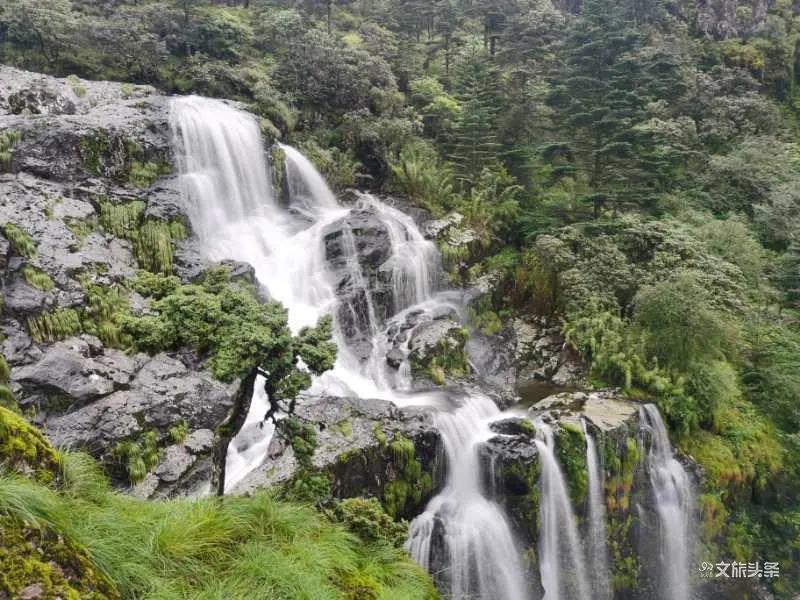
(353, 436)
(395, 358)
(369, 286)
(174, 464)
(24, 299)
(67, 373)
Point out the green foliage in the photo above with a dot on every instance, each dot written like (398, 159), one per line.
(152, 239)
(419, 175)
(228, 323)
(106, 312)
(178, 432)
(412, 483)
(54, 325)
(8, 139)
(143, 175)
(137, 457)
(681, 326)
(21, 242)
(339, 168)
(246, 547)
(366, 518)
(37, 278)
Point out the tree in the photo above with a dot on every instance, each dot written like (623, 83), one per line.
(474, 143)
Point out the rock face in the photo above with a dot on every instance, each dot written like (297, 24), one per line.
(77, 147)
(364, 447)
(356, 247)
(542, 354)
(511, 474)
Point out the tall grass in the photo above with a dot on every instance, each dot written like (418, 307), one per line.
(212, 548)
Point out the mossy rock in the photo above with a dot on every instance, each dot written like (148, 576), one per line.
(36, 562)
(25, 450)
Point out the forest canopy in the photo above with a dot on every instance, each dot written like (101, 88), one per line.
(629, 168)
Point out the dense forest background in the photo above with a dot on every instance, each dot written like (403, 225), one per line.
(629, 167)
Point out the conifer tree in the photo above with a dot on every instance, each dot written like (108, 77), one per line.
(474, 141)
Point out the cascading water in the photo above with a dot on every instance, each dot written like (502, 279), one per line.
(233, 211)
(561, 560)
(482, 561)
(672, 491)
(598, 552)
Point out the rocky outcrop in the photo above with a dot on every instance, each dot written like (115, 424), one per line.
(90, 167)
(511, 469)
(356, 247)
(365, 447)
(542, 354)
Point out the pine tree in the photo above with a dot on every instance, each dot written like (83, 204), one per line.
(603, 91)
(474, 142)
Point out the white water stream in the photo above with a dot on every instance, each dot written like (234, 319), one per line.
(227, 190)
(561, 560)
(674, 501)
(597, 554)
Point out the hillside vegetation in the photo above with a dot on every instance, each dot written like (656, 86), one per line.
(631, 169)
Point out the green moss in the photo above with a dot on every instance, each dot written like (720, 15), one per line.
(77, 86)
(80, 228)
(411, 483)
(21, 242)
(37, 278)
(93, 150)
(137, 457)
(142, 175)
(54, 325)
(380, 435)
(344, 428)
(446, 358)
(39, 556)
(278, 167)
(24, 449)
(571, 452)
(625, 565)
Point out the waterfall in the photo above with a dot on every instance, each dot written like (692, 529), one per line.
(307, 188)
(598, 553)
(482, 561)
(672, 492)
(561, 561)
(232, 210)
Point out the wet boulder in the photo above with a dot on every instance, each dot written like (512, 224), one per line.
(356, 247)
(365, 448)
(436, 351)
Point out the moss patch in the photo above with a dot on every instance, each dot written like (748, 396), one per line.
(411, 483)
(38, 559)
(25, 450)
(21, 243)
(446, 358)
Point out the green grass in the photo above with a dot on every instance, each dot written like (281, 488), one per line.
(37, 278)
(21, 243)
(214, 548)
